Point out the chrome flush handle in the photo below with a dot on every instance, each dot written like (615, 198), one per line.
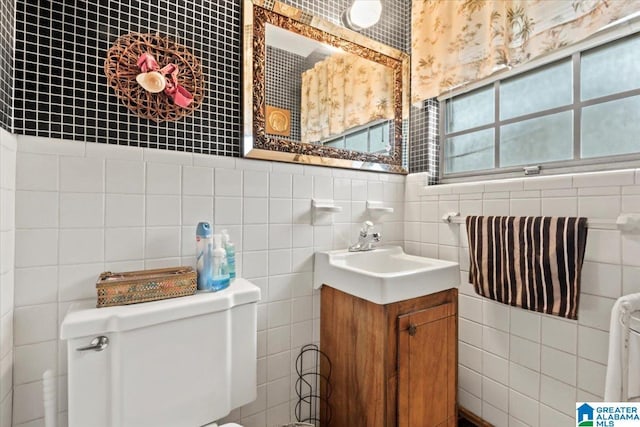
(97, 344)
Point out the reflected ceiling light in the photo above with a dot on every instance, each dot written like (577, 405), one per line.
(362, 14)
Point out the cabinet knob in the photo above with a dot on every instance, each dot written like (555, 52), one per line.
(412, 329)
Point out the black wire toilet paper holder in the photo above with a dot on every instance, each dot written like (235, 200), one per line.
(313, 405)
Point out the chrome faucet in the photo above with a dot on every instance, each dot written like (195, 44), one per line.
(365, 239)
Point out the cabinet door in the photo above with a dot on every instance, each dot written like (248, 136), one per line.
(427, 363)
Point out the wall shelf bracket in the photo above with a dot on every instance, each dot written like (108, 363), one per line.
(378, 207)
(322, 211)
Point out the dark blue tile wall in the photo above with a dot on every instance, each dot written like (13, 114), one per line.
(61, 91)
(7, 21)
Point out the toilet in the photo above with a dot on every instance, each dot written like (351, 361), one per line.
(181, 362)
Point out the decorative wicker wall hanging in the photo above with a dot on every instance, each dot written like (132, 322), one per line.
(171, 74)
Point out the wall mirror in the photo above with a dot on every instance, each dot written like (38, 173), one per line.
(318, 93)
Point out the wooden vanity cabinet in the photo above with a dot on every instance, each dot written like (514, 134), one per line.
(391, 365)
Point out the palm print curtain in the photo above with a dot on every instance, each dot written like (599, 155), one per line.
(454, 42)
(341, 92)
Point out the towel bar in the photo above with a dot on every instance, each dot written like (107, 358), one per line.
(625, 222)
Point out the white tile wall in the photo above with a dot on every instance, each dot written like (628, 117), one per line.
(136, 208)
(7, 273)
(541, 363)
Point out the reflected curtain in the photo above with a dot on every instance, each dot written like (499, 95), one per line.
(341, 92)
(454, 42)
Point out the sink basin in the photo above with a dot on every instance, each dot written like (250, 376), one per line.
(384, 275)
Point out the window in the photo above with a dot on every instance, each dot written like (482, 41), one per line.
(583, 108)
(372, 139)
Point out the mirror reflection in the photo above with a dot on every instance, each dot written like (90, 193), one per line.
(318, 94)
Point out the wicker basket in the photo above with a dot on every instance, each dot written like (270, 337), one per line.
(147, 285)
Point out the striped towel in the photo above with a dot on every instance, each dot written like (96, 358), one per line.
(529, 262)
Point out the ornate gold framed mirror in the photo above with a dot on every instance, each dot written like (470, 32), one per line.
(320, 94)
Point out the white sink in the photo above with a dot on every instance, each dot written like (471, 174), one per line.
(384, 275)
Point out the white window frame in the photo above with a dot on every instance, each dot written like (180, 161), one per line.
(627, 28)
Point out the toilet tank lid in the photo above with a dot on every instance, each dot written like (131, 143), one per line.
(82, 321)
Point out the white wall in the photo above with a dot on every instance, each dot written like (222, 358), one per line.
(7, 231)
(85, 208)
(518, 367)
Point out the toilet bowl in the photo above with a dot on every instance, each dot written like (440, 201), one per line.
(633, 386)
(182, 362)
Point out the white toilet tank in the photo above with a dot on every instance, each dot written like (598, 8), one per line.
(182, 362)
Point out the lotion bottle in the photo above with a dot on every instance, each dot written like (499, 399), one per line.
(220, 274)
(230, 248)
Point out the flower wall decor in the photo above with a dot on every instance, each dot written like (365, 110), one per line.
(155, 77)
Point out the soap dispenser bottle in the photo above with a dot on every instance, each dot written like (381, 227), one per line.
(204, 247)
(230, 248)
(220, 274)
(207, 272)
